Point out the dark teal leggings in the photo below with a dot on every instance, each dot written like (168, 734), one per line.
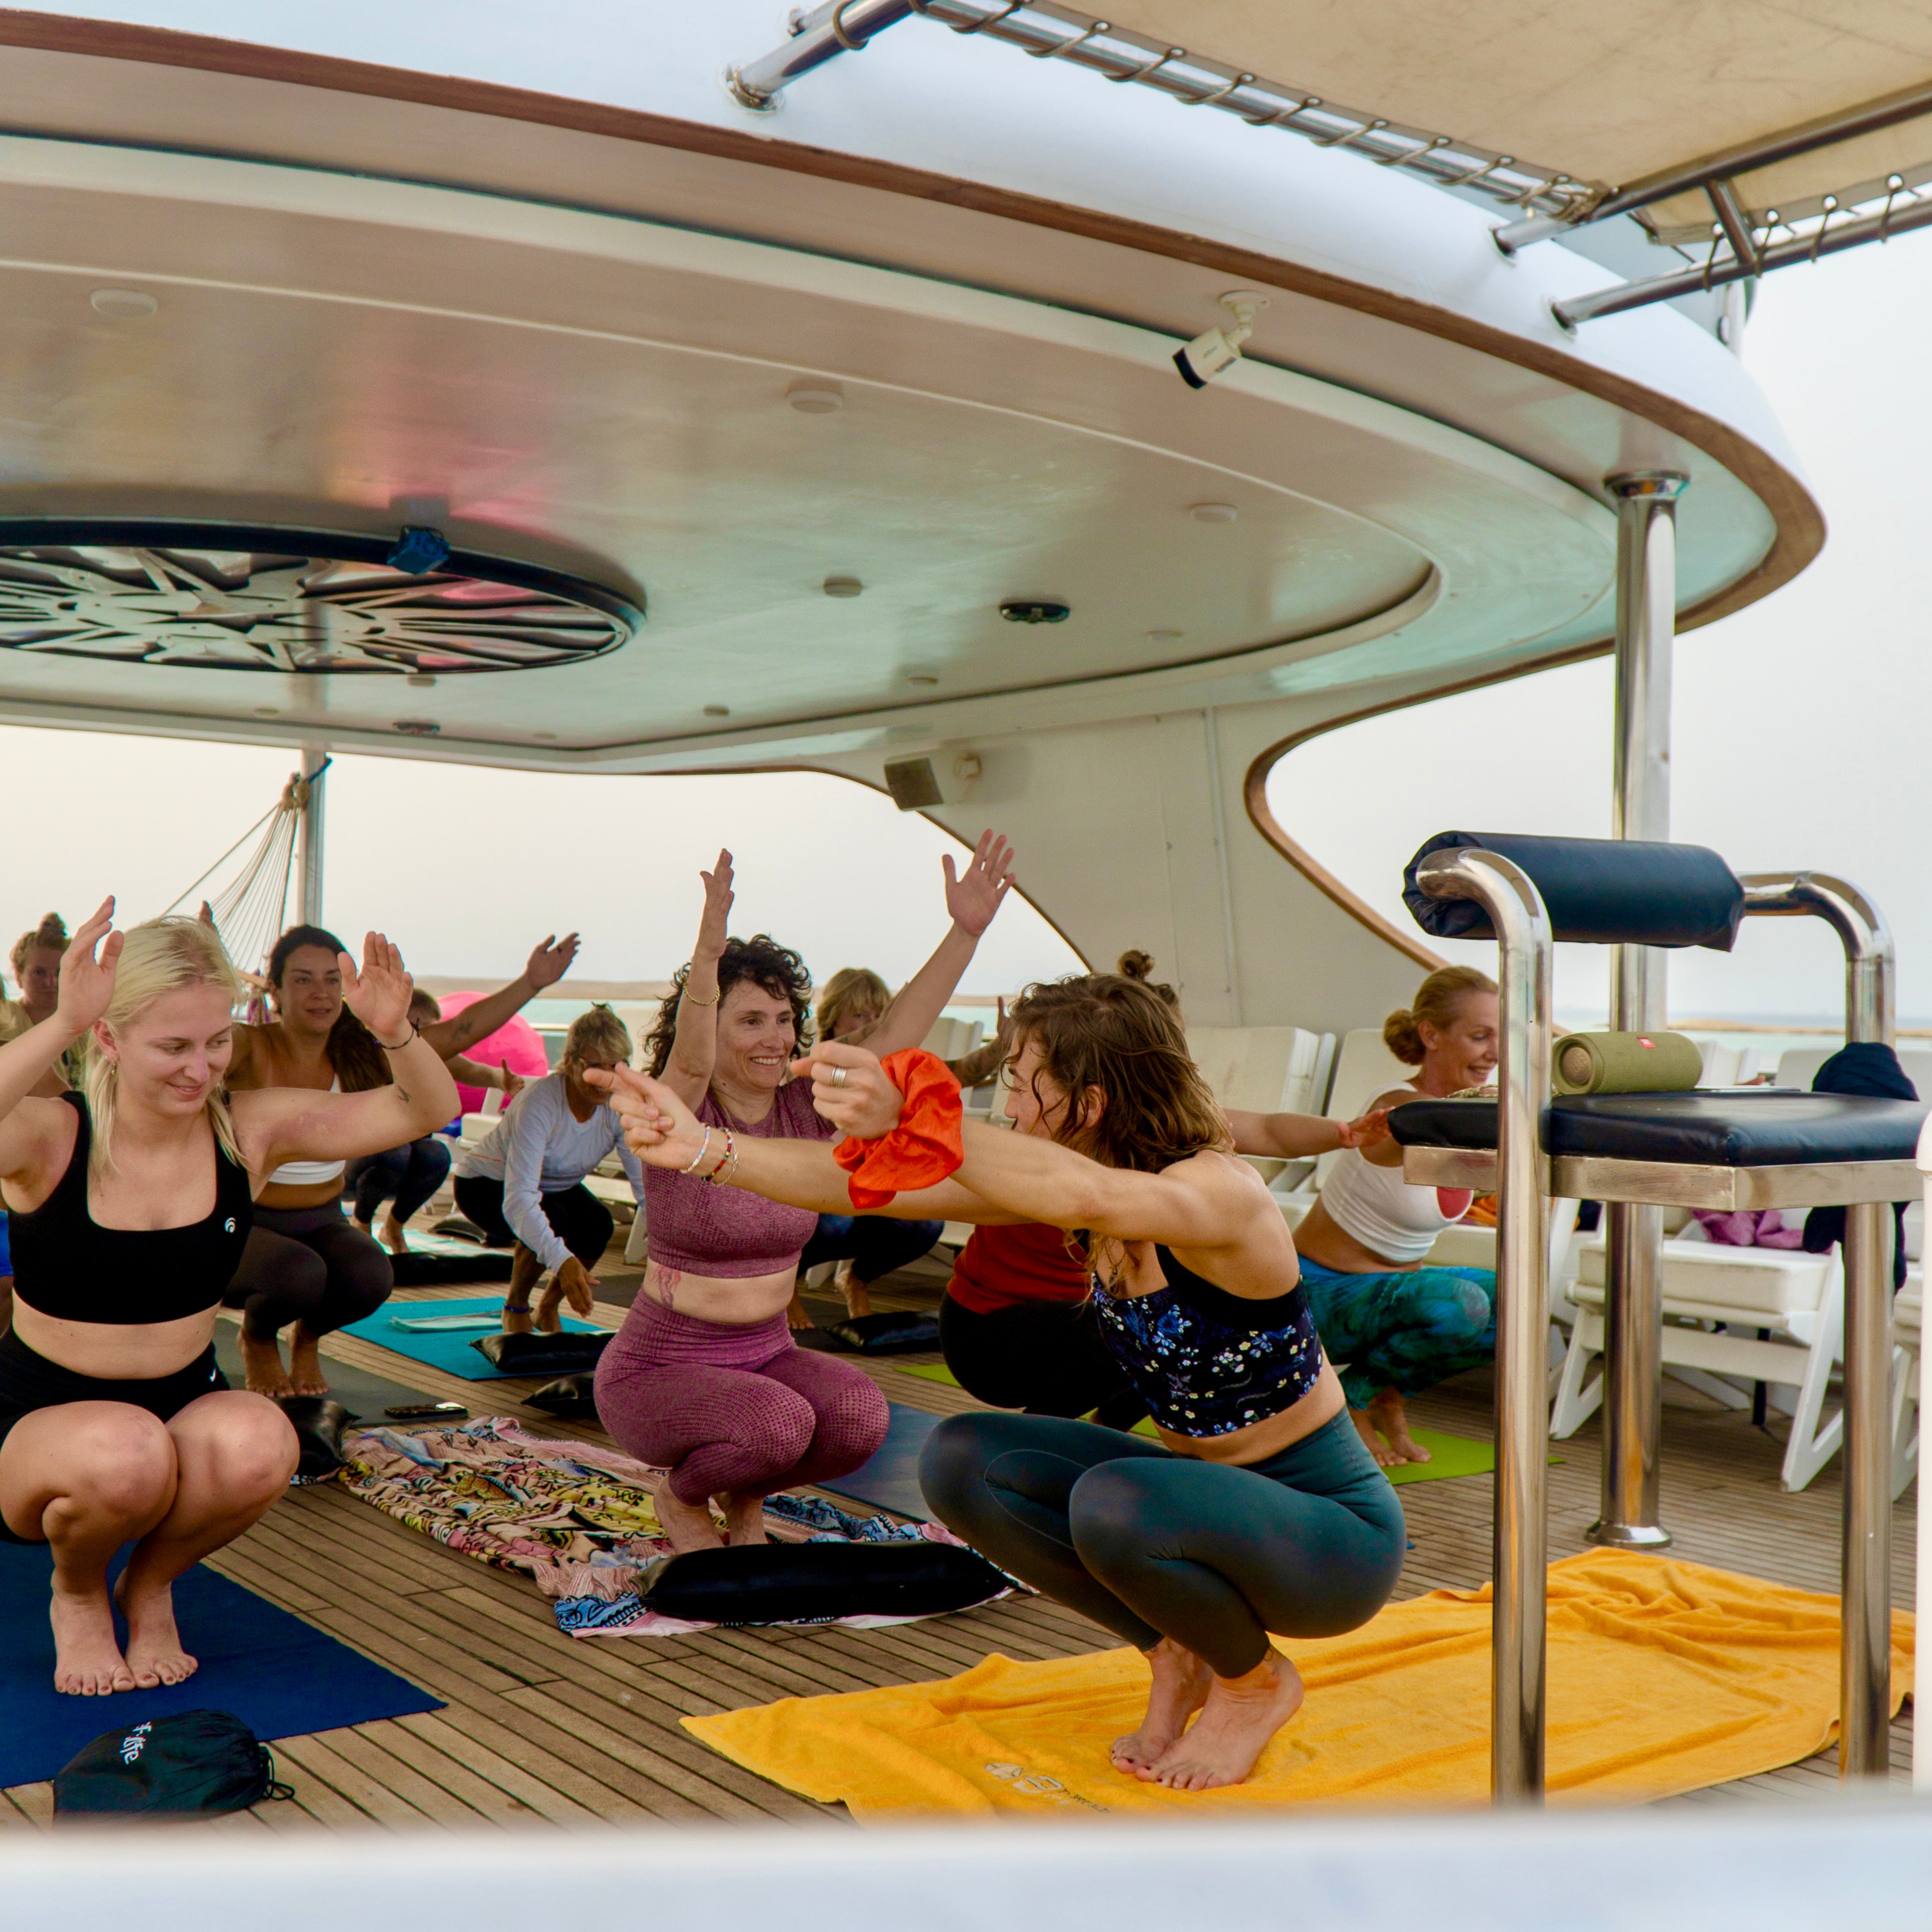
(1150, 1544)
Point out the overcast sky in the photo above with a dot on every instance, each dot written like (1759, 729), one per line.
(1802, 724)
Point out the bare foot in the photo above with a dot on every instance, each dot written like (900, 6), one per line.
(263, 1362)
(1239, 1716)
(1385, 1457)
(517, 1320)
(305, 1374)
(550, 1311)
(393, 1237)
(88, 1662)
(1389, 1416)
(858, 1293)
(745, 1521)
(796, 1314)
(1179, 1689)
(154, 1652)
(686, 1525)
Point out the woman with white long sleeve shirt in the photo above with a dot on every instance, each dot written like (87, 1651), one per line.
(523, 1184)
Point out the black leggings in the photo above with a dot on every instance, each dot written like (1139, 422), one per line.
(407, 1175)
(307, 1265)
(579, 1220)
(1150, 1544)
(1046, 1357)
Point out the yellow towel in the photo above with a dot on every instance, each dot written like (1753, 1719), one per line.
(1664, 1677)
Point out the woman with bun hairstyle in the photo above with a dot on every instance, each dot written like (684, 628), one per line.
(1399, 1325)
(131, 1202)
(35, 958)
(1258, 1510)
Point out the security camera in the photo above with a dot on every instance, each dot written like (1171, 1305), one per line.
(1217, 352)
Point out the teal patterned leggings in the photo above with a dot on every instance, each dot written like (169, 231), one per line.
(1403, 1331)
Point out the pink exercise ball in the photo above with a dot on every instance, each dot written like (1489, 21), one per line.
(515, 1041)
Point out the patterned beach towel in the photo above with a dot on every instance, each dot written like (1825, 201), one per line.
(576, 1519)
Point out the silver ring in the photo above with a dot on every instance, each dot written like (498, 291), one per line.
(838, 1076)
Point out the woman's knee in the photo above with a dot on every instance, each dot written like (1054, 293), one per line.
(241, 1446)
(1113, 1511)
(953, 1463)
(120, 1465)
(1463, 1314)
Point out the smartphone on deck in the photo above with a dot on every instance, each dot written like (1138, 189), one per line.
(415, 1411)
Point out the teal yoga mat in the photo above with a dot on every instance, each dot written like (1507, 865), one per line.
(449, 1351)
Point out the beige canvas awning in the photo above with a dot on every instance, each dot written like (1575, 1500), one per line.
(1612, 93)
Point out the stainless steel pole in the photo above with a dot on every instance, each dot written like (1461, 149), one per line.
(310, 828)
(1519, 1608)
(1865, 1650)
(1639, 809)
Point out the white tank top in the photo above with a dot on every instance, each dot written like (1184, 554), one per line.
(309, 1173)
(1382, 1210)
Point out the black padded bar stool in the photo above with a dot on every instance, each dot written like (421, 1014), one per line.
(1772, 1149)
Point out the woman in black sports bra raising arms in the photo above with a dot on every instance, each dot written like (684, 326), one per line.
(131, 1203)
(1258, 1510)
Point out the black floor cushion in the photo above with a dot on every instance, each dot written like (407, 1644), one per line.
(813, 1583)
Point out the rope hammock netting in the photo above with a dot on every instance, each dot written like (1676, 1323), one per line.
(251, 910)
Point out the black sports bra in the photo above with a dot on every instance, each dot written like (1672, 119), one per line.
(66, 1265)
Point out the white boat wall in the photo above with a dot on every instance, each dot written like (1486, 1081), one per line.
(804, 396)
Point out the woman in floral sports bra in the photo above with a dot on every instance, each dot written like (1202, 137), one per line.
(1259, 1509)
(703, 1379)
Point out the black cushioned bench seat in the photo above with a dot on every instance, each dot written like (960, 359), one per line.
(1772, 1128)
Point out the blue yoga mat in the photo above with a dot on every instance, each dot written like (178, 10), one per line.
(281, 1677)
(890, 1480)
(450, 1352)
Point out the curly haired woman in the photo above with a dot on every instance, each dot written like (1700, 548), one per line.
(703, 1379)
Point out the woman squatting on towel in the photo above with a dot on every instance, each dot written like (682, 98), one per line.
(1259, 1509)
(703, 1379)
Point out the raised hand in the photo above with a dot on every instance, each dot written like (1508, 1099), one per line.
(849, 1087)
(379, 995)
(714, 927)
(1369, 1131)
(513, 1083)
(550, 960)
(86, 981)
(977, 893)
(659, 1128)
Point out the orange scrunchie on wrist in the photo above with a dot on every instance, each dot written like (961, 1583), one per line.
(923, 1149)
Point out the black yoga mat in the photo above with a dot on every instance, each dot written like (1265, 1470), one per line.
(890, 1480)
(282, 1678)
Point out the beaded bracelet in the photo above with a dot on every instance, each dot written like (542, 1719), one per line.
(704, 1148)
(716, 1176)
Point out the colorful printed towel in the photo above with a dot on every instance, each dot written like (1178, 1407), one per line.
(576, 1519)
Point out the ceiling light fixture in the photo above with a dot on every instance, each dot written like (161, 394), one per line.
(842, 587)
(921, 677)
(123, 304)
(816, 399)
(1035, 611)
(718, 711)
(416, 727)
(1212, 513)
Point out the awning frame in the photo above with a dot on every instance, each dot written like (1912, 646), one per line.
(1550, 203)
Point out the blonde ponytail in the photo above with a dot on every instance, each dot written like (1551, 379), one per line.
(1437, 1000)
(158, 958)
(50, 936)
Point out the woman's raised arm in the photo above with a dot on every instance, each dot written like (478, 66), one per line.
(549, 961)
(972, 899)
(694, 1047)
(31, 1127)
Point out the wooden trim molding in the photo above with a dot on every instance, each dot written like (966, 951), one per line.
(1254, 791)
(1799, 524)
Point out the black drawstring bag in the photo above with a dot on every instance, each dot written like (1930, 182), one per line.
(199, 1764)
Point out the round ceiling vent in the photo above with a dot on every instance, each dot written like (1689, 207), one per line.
(221, 597)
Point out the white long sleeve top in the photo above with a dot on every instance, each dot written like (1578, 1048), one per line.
(538, 1147)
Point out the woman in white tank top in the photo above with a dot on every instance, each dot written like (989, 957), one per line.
(307, 1264)
(1400, 1326)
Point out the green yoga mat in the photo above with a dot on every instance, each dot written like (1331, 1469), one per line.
(1450, 1455)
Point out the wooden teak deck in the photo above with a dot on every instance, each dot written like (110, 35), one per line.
(543, 1728)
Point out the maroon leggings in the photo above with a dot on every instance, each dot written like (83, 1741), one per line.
(734, 1409)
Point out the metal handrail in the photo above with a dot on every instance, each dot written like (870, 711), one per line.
(1519, 1605)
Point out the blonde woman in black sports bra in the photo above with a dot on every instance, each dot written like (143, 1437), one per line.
(131, 1203)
